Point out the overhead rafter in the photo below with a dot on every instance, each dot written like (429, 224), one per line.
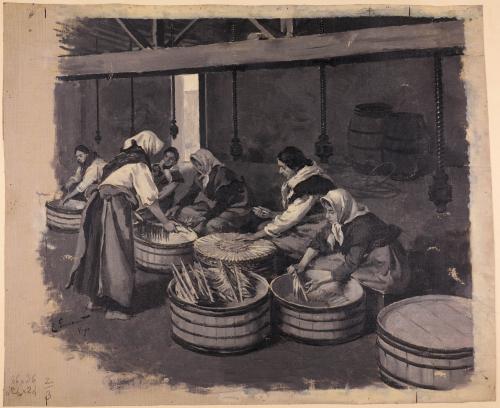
(347, 44)
(261, 28)
(178, 38)
(134, 35)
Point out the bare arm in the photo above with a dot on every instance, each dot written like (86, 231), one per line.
(167, 190)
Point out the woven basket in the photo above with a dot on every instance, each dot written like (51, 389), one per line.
(252, 256)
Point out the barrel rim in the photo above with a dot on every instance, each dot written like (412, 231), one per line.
(161, 246)
(72, 230)
(361, 322)
(397, 304)
(219, 311)
(51, 205)
(226, 352)
(315, 309)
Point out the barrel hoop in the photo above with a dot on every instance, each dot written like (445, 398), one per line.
(356, 146)
(215, 313)
(266, 310)
(404, 151)
(361, 322)
(161, 246)
(420, 365)
(146, 251)
(64, 224)
(354, 313)
(427, 354)
(398, 343)
(63, 210)
(151, 264)
(226, 351)
(319, 342)
(258, 330)
(397, 139)
(304, 309)
(155, 271)
(63, 216)
(386, 372)
(366, 132)
(71, 230)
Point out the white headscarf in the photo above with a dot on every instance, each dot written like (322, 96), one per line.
(346, 208)
(204, 161)
(148, 140)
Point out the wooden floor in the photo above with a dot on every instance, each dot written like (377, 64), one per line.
(142, 346)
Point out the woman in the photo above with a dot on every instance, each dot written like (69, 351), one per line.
(305, 182)
(88, 172)
(355, 243)
(227, 206)
(104, 267)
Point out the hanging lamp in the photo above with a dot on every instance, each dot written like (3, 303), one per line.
(174, 129)
(323, 147)
(98, 137)
(236, 149)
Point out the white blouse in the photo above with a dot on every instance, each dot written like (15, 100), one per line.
(137, 178)
(92, 175)
(293, 215)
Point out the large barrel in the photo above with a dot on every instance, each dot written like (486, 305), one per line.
(319, 325)
(63, 218)
(405, 144)
(366, 135)
(221, 330)
(157, 253)
(426, 342)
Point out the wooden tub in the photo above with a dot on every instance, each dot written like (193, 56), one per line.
(320, 325)
(154, 256)
(221, 330)
(426, 342)
(63, 218)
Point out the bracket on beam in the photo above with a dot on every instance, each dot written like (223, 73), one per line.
(261, 28)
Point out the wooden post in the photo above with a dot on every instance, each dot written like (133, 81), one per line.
(440, 192)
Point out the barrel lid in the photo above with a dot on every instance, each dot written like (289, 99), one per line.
(226, 247)
(432, 322)
(72, 207)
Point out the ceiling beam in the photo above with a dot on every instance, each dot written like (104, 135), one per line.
(134, 35)
(432, 36)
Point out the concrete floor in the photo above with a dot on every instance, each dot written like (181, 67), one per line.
(142, 346)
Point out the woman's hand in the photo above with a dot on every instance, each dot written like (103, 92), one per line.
(263, 213)
(169, 226)
(297, 268)
(172, 212)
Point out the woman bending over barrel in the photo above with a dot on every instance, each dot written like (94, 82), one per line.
(355, 243)
(227, 208)
(104, 267)
(305, 182)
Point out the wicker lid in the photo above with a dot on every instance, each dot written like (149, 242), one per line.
(226, 247)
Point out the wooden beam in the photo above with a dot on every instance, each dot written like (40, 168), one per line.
(261, 28)
(133, 34)
(184, 31)
(418, 37)
(160, 33)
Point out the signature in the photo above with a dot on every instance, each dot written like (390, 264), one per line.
(61, 324)
(22, 385)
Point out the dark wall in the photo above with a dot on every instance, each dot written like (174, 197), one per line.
(281, 106)
(76, 116)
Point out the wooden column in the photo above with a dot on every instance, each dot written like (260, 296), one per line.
(440, 191)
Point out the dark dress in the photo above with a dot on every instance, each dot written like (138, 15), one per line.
(370, 253)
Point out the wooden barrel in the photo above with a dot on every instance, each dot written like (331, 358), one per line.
(62, 218)
(221, 330)
(157, 256)
(426, 342)
(366, 135)
(405, 144)
(319, 325)
(255, 256)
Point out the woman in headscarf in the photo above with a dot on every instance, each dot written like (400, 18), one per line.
(88, 172)
(227, 208)
(355, 243)
(305, 182)
(104, 266)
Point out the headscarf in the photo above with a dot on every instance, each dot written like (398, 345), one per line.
(205, 161)
(303, 174)
(150, 143)
(346, 208)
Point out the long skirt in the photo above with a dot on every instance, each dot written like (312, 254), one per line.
(385, 269)
(104, 265)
